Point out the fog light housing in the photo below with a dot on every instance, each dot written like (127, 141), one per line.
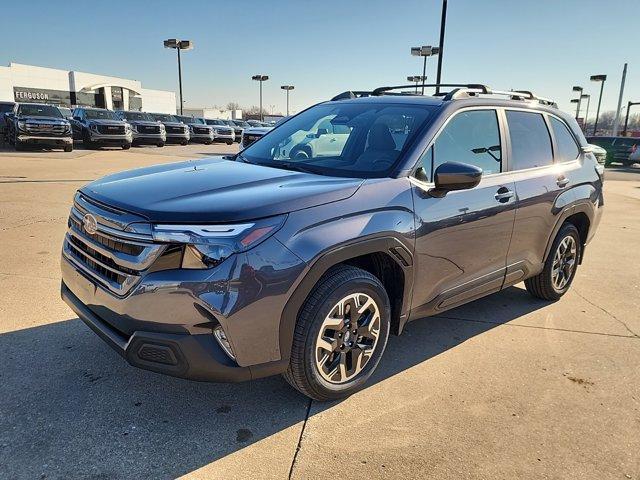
(221, 337)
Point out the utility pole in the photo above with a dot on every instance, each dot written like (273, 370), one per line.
(601, 79)
(616, 123)
(443, 22)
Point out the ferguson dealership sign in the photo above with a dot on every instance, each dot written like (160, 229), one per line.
(22, 94)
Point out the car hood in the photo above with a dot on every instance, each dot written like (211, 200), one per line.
(257, 130)
(104, 121)
(32, 118)
(215, 190)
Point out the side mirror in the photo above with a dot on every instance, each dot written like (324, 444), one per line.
(455, 176)
(77, 119)
(322, 131)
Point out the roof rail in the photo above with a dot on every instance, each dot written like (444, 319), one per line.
(460, 90)
(381, 90)
(351, 94)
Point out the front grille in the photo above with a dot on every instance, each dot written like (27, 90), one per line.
(45, 129)
(111, 129)
(201, 130)
(114, 258)
(152, 129)
(180, 130)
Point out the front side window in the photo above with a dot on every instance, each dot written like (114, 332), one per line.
(471, 137)
(32, 110)
(354, 139)
(530, 140)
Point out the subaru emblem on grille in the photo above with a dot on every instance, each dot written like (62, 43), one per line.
(90, 224)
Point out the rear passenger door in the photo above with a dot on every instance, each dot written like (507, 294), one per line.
(542, 171)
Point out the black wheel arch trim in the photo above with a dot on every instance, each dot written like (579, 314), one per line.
(338, 254)
(583, 206)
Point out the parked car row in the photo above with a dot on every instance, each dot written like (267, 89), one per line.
(44, 125)
(624, 150)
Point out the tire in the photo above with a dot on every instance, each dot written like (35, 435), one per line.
(68, 148)
(299, 153)
(344, 285)
(126, 146)
(184, 143)
(230, 142)
(207, 142)
(543, 285)
(160, 144)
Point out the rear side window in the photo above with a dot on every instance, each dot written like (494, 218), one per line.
(565, 143)
(530, 140)
(470, 137)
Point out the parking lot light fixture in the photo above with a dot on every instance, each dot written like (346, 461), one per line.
(260, 78)
(288, 88)
(179, 45)
(626, 118)
(601, 79)
(579, 90)
(586, 114)
(424, 51)
(418, 79)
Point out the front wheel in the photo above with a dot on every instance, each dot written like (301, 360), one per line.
(68, 148)
(126, 146)
(160, 144)
(229, 142)
(340, 334)
(560, 267)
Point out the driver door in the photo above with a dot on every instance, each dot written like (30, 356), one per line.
(462, 239)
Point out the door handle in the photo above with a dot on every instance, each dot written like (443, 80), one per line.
(562, 181)
(503, 194)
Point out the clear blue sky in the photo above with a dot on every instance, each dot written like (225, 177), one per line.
(326, 47)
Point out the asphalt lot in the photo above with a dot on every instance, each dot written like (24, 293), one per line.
(505, 387)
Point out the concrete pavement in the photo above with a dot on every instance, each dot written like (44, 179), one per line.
(505, 387)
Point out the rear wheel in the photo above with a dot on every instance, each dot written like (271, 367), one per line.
(340, 335)
(560, 267)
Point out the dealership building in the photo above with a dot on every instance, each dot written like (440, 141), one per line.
(28, 83)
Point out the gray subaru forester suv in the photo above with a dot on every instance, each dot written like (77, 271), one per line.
(235, 268)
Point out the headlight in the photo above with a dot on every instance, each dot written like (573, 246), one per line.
(94, 127)
(207, 246)
(22, 125)
(162, 129)
(129, 127)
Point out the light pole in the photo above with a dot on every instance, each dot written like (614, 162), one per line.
(579, 90)
(626, 118)
(586, 114)
(601, 79)
(260, 78)
(577, 102)
(288, 88)
(179, 45)
(416, 78)
(424, 51)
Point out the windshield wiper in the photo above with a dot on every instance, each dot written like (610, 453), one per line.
(242, 158)
(294, 166)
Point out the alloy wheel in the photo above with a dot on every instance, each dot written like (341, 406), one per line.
(564, 262)
(348, 338)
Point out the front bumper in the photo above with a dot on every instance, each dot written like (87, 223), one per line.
(110, 139)
(149, 137)
(165, 322)
(202, 137)
(220, 137)
(44, 140)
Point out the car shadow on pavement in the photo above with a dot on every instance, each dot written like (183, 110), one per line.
(70, 407)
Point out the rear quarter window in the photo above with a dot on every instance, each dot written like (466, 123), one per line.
(566, 145)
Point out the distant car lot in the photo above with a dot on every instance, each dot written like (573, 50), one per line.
(513, 386)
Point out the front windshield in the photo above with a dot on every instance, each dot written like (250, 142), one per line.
(215, 122)
(164, 117)
(66, 112)
(198, 121)
(100, 115)
(29, 110)
(137, 116)
(240, 123)
(6, 107)
(360, 140)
